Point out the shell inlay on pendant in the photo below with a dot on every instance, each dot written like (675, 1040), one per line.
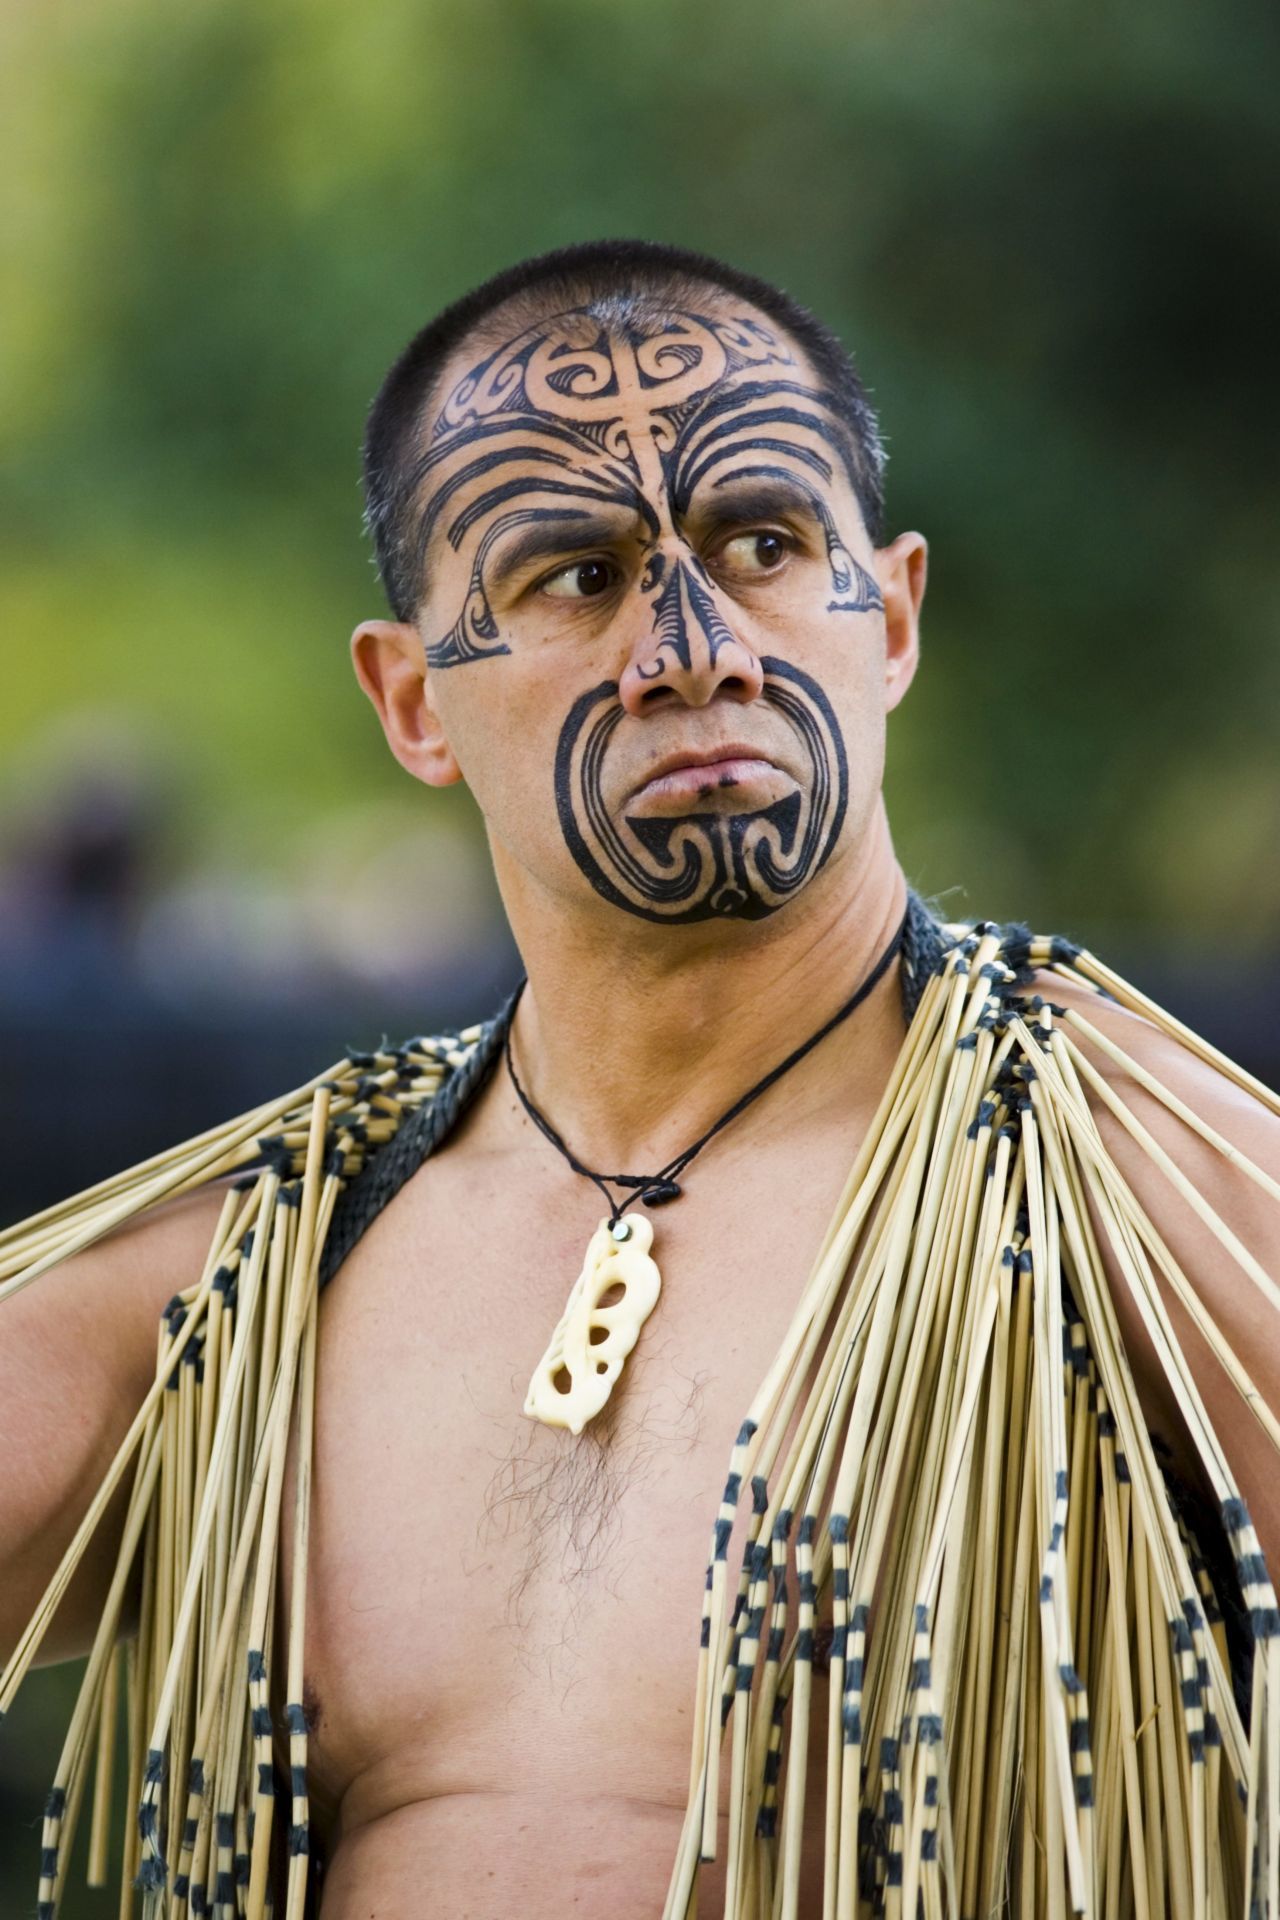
(580, 1367)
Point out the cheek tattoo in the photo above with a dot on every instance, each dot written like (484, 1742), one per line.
(704, 866)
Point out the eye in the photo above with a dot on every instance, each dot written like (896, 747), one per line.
(760, 552)
(584, 580)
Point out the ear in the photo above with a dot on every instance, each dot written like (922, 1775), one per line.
(391, 666)
(901, 568)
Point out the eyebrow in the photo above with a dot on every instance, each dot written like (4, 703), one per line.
(547, 533)
(553, 531)
(757, 495)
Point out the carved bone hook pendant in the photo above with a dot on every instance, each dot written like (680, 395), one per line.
(576, 1374)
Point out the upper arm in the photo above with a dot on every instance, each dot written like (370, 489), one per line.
(78, 1350)
(1242, 1312)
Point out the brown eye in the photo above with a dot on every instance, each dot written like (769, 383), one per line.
(584, 580)
(755, 552)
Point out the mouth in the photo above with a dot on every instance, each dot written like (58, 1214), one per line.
(692, 775)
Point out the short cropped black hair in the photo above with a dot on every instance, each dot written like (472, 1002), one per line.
(573, 277)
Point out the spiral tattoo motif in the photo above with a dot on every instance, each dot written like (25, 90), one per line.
(704, 866)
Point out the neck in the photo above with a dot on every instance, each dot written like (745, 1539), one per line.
(632, 1046)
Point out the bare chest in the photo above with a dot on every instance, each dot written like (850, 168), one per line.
(495, 1605)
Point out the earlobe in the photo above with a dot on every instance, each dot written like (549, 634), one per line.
(901, 569)
(390, 665)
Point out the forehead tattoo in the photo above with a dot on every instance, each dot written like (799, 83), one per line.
(507, 451)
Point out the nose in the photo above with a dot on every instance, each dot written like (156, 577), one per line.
(686, 650)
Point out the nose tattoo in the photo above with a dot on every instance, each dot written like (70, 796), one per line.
(654, 568)
(683, 608)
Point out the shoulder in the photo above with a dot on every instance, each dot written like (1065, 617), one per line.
(1193, 1100)
(153, 1225)
(107, 1298)
(1203, 1111)
(1196, 1141)
(409, 1100)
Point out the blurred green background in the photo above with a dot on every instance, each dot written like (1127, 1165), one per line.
(1049, 236)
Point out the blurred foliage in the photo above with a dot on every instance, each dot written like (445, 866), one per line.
(1048, 234)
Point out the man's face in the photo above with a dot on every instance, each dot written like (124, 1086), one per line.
(653, 628)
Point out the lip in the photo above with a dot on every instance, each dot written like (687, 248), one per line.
(721, 757)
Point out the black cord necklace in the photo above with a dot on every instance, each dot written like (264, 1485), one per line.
(619, 1284)
(656, 1189)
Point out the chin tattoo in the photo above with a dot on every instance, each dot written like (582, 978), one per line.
(709, 865)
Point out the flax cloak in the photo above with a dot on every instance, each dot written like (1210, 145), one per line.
(1031, 1690)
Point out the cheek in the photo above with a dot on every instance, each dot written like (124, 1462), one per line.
(852, 670)
(503, 735)
(863, 717)
(846, 654)
(839, 635)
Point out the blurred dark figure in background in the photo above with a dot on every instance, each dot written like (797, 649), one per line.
(177, 997)
(73, 888)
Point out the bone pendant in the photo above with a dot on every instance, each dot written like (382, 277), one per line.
(576, 1374)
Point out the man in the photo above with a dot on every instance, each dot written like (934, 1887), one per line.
(627, 506)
